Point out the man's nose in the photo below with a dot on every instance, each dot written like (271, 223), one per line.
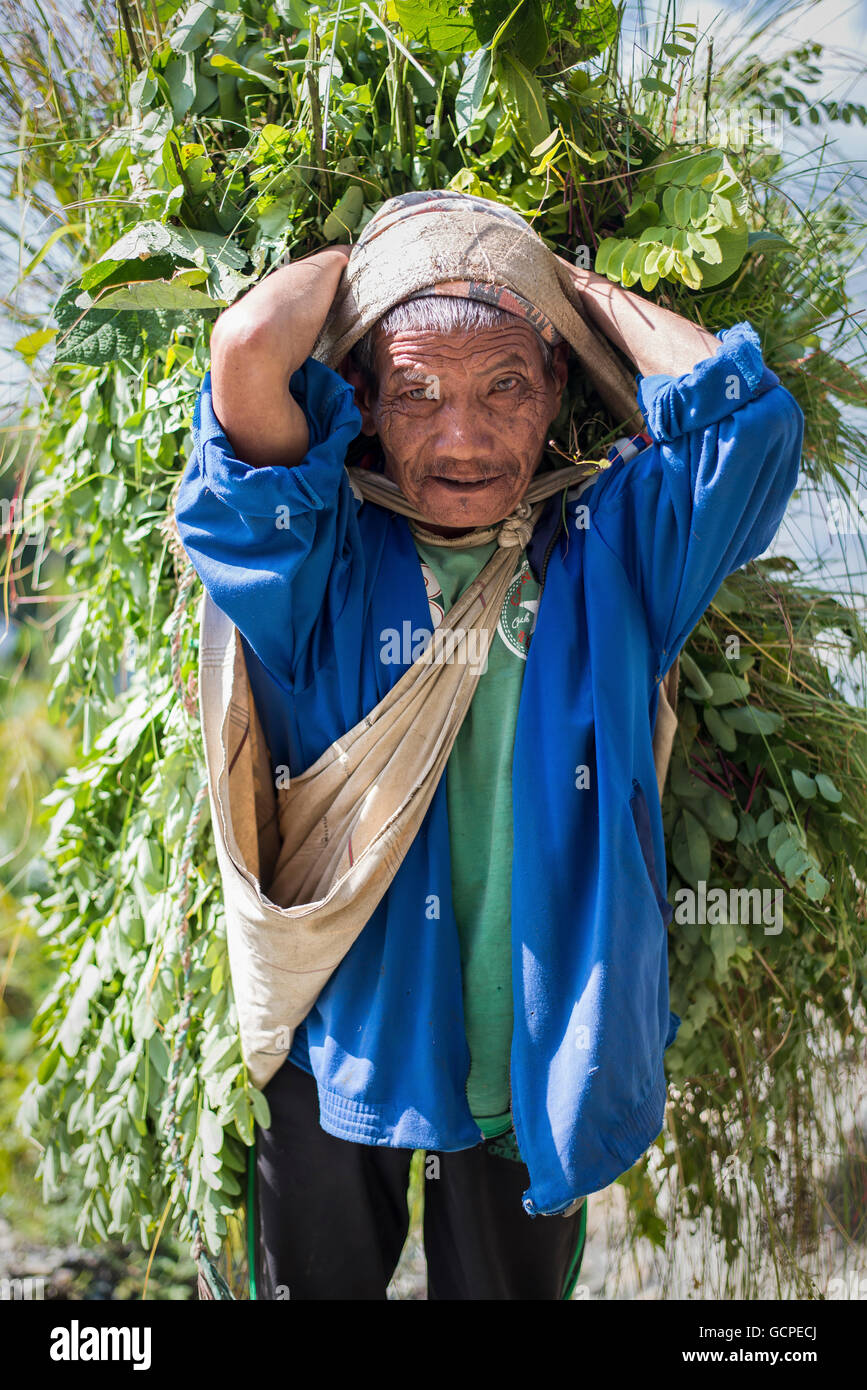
(461, 434)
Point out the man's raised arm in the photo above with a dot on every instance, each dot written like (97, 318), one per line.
(710, 491)
(264, 508)
(656, 339)
(256, 346)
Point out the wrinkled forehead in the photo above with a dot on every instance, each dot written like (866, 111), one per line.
(412, 353)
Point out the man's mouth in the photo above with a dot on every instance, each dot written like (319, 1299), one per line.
(465, 484)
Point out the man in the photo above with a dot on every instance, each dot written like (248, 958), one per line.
(505, 1008)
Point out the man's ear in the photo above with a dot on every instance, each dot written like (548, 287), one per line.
(561, 365)
(365, 395)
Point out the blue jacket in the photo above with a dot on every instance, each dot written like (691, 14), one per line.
(621, 593)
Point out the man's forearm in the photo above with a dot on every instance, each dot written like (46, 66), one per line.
(655, 339)
(256, 346)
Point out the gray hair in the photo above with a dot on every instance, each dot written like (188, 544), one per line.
(437, 314)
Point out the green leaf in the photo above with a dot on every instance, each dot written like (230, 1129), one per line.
(732, 243)
(261, 1110)
(690, 848)
(160, 294)
(669, 197)
(473, 89)
(48, 1066)
(795, 865)
(652, 259)
(695, 676)
(727, 687)
(707, 247)
(721, 732)
(765, 823)
(647, 271)
(75, 1021)
(786, 852)
(717, 816)
(143, 90)
(449, 25)
(180, 78)
(222, 63)
(827, 789)
(751, 719)
(32, 343)
(344, 217)
(100, 337)
(609, 256)
(655, 84)
(683, 206)
(632, 264)
(689, 271)
(768, 241)
(591, 29)
(682, 781)
(724, 943)
(210, 1132)
(780, 835)
(804, 784)
(193, 27)
(525, 33)
(815, 884)
(244, 1118)
(698, 205)
(666, 262)
(679, 170)
(547, 145)
(523, 97)
(151, 250)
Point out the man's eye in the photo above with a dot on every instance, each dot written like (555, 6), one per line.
(505, 383)
(416, 393)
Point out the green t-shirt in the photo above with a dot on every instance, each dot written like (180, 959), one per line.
(479, 798)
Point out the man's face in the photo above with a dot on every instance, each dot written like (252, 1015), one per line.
(462, 418)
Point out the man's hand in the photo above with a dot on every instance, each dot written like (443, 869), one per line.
(256, 346)
(655, 339)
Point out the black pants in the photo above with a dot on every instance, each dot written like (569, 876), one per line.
(331, 1216)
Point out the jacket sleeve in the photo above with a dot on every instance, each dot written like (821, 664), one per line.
(709, 492)
(276, 548)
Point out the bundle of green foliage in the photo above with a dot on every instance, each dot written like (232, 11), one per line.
(212, 140)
